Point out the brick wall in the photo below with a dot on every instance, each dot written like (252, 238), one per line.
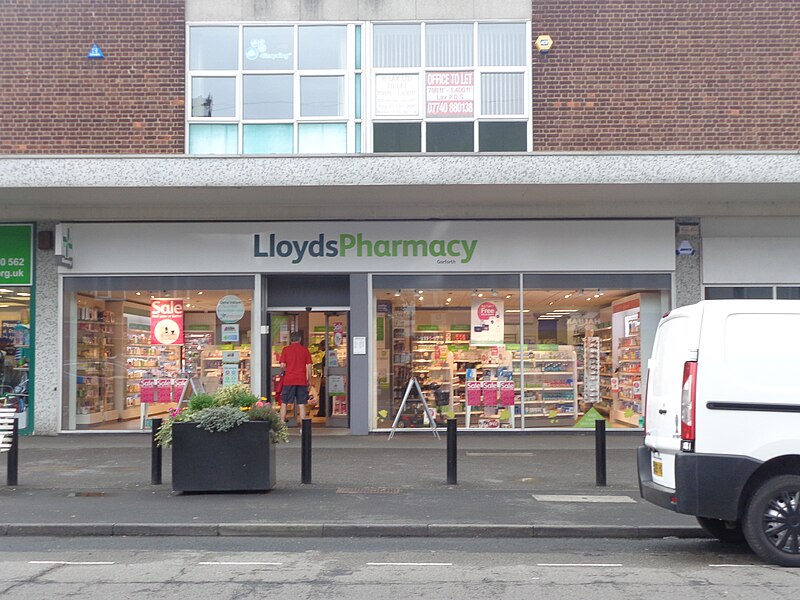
(54, 100)
(667, 75)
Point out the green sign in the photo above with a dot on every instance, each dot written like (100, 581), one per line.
(16, 255)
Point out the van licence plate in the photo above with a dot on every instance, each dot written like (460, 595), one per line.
(658, 468)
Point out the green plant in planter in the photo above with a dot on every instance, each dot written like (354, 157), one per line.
(228, 408)
(219, 418)
(200, 401)
(235, 395)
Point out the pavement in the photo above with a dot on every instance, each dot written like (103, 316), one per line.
(532, 484)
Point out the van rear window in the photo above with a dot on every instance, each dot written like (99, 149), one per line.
(669, 353)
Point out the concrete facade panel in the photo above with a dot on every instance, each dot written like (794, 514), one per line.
(47, 403)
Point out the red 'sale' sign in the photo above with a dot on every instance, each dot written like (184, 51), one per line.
(166, 322)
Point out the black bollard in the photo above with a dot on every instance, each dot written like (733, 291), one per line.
(600, 451)
(13, 455)
(155, 455)
(305, 451)
(452, 449)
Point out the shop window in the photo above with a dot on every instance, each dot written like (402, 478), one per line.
(322, 138)
(212, 139)
(321, 96)
(503, 137)
(134, 347)
(268, 48)
(268, 97)
(502, 44)
(213, 48)
(502, 94)
(788, 293)
(739, 293)
(450, 137)
(422, 74)
(396, 46)
(397, 137)
(213, 96)
(268, 139)
(16, 352)
(323, 47)
(555, 357)
(459, 345)
(447, 91)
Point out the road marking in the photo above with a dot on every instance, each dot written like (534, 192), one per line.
(499, 453)
(68, 562)
(732, 565)
(269, 564)
(579, 565)
(580, 498)
(408, 564)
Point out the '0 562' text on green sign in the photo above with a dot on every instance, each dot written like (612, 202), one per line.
(16, 254)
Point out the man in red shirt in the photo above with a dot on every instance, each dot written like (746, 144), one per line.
(296, 366)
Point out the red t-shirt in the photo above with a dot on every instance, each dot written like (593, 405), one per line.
(295, 356)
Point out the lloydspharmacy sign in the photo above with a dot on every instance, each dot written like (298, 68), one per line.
(344, 245)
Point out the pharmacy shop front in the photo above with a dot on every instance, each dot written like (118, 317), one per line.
(506, 325)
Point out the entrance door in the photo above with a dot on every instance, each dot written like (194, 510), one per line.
(324, 333)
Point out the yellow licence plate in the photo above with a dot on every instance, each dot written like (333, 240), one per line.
(658, 468)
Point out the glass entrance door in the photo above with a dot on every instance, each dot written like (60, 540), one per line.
(325, 334)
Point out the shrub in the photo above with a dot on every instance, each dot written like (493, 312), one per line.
(235, 395)
(219, 418)
(278, 430)
(200, 401)
(229, 407)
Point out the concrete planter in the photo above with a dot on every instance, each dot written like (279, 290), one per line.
(240, 459)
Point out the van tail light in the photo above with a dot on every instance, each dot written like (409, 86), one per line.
(646, 391)
(688, 403)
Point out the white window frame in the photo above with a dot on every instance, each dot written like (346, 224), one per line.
(348, 73)
(478, 70)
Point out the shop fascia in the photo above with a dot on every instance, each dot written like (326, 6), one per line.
(271, 245)
(467, 246)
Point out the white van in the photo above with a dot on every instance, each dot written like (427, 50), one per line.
(722, 422)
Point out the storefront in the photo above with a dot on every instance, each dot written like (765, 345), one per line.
(508, 325)
(16, 315)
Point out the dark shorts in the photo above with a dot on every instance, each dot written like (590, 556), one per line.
(294, 393)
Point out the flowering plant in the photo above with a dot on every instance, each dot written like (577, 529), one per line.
(227, 408)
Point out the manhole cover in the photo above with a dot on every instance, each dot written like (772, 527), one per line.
(368, 490)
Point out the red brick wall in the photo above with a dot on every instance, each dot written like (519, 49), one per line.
(54, 100)
(667, 75)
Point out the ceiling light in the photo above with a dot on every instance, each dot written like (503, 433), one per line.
(449, 299)
(5, 290)
(565, 310)
(597, 295)
(480, 295)
(199, 293)
(567, 295)
(23, 294)
(421, 298)
(589, 299)
(420, 291)
(188, 305)
(138, 293)
(397, 294)
(601, 293)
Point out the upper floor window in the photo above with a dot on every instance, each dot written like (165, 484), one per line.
(299, 89)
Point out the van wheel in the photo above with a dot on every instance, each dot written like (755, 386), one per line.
(771, 521)
(722, 531)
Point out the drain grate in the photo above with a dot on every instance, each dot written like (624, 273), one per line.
(86, 494)
(368, 490)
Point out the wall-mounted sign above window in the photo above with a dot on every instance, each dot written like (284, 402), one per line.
(16, 255)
